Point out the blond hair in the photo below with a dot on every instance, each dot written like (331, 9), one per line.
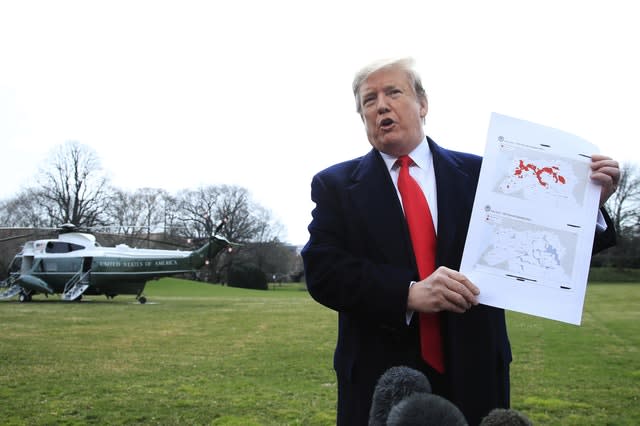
(405, 64)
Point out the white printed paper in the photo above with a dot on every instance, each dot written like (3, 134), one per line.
(529, 242)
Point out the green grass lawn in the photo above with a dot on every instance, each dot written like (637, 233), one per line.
(212, 355)
(588, 375)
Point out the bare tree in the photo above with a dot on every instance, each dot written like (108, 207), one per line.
(24, 210)
(197, 211)
(200, 210)
(170, 221)
(277, 260)
(624, 209)
(245, 222)
(123, 213)
(73, 187)
(268, 229)
(624, 204)
(137, 215)
(152, 210)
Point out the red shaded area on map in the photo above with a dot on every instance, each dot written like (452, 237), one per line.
(539, 172)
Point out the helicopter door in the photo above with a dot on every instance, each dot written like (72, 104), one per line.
(79, 283)
(86, 269)
(86, 264)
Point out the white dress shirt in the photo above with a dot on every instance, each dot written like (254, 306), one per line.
(422, 172)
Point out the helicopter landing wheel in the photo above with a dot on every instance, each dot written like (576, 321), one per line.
(142, 300)
(24, 297)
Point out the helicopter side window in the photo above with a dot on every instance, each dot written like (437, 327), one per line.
(74, 247)
(57, 247)
(62, 247)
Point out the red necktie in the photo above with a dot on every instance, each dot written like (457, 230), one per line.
(423, 239)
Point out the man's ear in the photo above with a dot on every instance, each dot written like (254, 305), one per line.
(424, 107)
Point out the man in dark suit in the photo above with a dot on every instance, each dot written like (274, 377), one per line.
(360, 260)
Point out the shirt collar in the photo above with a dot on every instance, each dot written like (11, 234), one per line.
(421, 156)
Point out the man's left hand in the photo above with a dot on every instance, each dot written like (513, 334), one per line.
(606, 172)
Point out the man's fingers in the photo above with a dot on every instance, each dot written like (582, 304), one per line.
(461, 285)
(444, 290)
(456, 303)
(605, 169)
(461, 278)
(606, 172)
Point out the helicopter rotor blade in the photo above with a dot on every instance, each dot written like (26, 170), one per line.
(16, 237)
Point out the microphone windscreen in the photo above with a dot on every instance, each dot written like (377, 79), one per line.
(505, 417)
(393, 386)
(424, 409)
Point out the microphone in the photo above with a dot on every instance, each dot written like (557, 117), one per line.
(505, 417)
(393, 386)
(424, 409)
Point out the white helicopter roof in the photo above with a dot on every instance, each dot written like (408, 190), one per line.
(88, 242)
(80, 238)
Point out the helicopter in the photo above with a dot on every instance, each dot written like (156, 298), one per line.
(75, 264)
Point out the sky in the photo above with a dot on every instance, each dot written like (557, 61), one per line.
(182, 94)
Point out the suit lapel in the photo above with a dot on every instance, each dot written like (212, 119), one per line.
(455, 199)
(372, 189)
(379, 210)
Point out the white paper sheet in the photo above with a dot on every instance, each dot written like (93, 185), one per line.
(529, 243)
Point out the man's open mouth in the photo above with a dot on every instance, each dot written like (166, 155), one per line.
(386, 122)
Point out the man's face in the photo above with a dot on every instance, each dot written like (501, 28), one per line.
(392, 112)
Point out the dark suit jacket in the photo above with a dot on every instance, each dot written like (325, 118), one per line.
(359, 262)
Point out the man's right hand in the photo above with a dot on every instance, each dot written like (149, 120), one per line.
(443, 290)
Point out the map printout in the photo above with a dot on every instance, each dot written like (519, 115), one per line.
(529, 243)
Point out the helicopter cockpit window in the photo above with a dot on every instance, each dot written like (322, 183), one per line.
(62, 247)
(16, 264)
